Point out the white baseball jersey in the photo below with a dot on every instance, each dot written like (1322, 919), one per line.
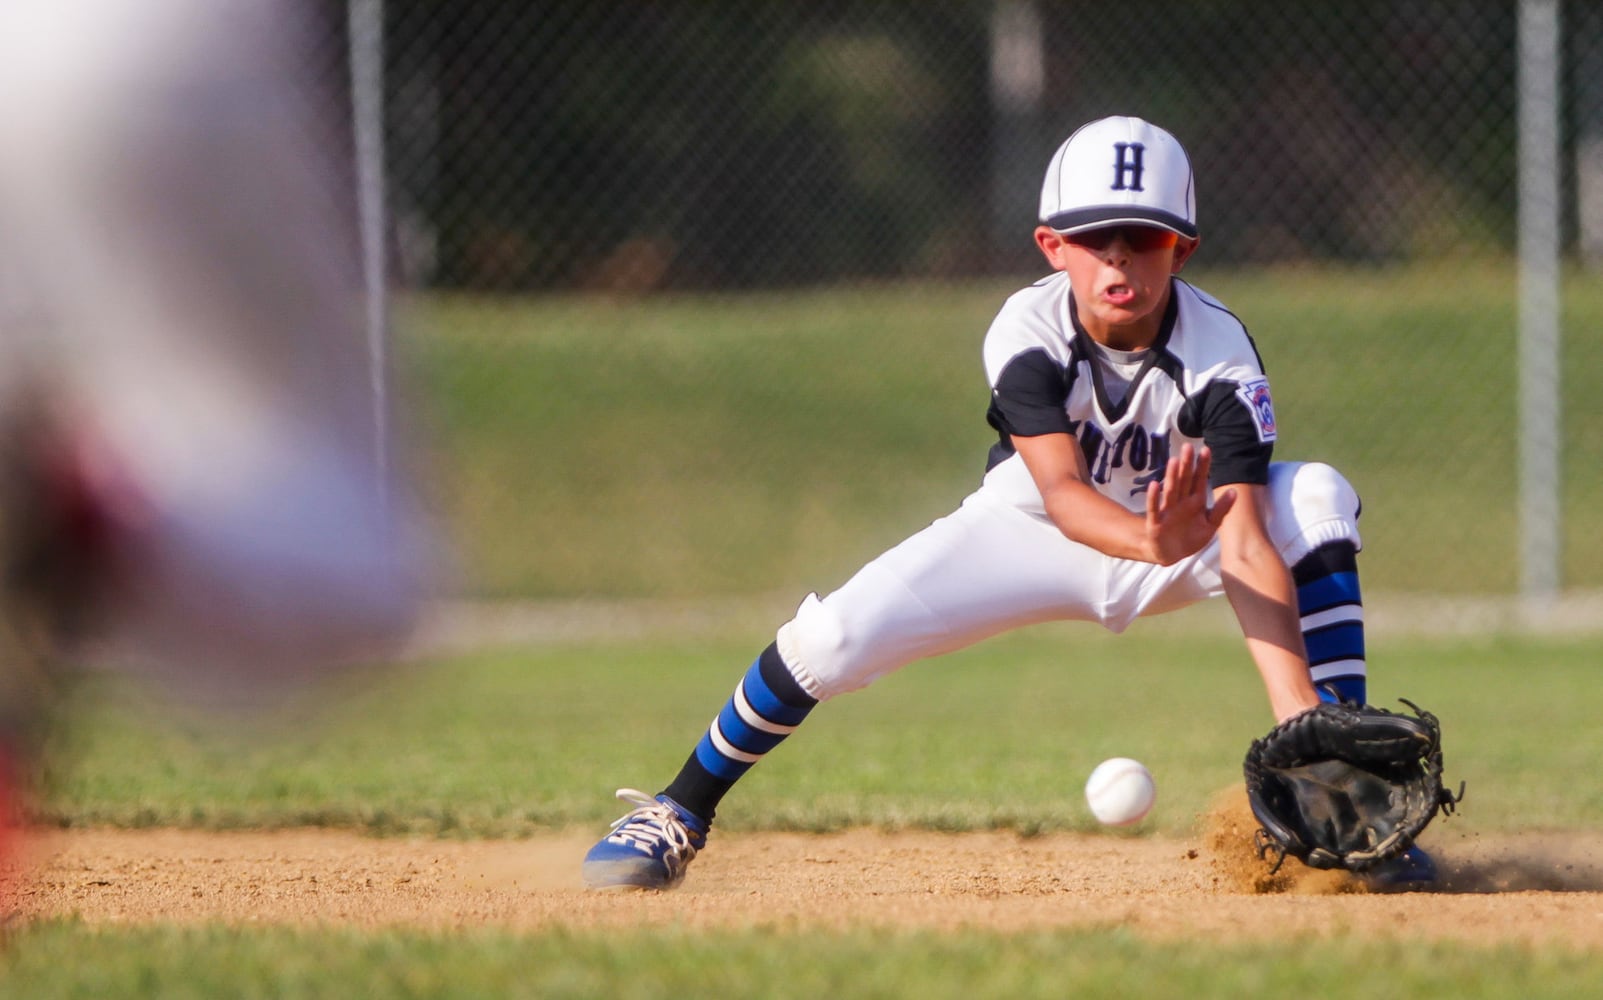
(998, 562)
(1201, 382)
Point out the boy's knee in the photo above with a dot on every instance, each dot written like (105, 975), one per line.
(1312, 490)
(817, 650)
(1312, 505)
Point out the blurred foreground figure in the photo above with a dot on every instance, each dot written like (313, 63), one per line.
(190, 474)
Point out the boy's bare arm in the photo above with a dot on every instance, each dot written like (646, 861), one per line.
(1178, 520)
(1264, 598)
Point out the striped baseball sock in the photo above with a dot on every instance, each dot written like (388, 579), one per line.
(1332, 613)
(766, 707)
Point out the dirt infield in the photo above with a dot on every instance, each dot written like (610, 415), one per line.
(1527, 889)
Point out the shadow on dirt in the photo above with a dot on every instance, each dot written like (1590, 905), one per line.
(1524, 863)
(1469, 863)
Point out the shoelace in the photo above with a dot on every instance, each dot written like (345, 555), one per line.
(651, 823)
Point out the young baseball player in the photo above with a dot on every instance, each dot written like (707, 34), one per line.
(1131, 475)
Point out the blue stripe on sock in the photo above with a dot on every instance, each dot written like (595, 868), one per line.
(1317, 595)
(766, 703)
(1338, 642)
(737, 732)
(1348, 689)
(717, 764)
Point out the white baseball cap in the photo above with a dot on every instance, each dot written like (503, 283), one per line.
(1120, 171)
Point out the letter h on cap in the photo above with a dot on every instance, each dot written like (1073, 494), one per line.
(1127, 160)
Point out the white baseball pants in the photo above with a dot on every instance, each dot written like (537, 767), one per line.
(991, 566)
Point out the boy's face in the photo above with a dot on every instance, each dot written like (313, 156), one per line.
(1120, 276)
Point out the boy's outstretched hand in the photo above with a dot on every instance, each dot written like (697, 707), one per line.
(1179, 520)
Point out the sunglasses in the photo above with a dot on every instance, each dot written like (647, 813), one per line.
(1141, 239)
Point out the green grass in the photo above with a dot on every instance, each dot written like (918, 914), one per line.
(49, 961)
(694, 446)
(1000, 735)
(701, 445)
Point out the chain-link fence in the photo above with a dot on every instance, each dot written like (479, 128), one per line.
(660, 247)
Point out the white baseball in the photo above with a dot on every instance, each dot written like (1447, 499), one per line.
(1120, 791)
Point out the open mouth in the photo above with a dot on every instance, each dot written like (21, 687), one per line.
(1119, 295)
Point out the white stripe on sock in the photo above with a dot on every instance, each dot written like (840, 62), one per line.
(728, 749)
(749, 715)
(1337, 615)
(1337, 668)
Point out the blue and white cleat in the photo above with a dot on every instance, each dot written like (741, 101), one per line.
(1409, 871)
(647, 849)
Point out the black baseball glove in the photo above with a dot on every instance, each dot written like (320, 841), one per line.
(1346, 786)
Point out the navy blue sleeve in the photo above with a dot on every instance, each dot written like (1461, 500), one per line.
(1031, 396)
(1221, 418)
